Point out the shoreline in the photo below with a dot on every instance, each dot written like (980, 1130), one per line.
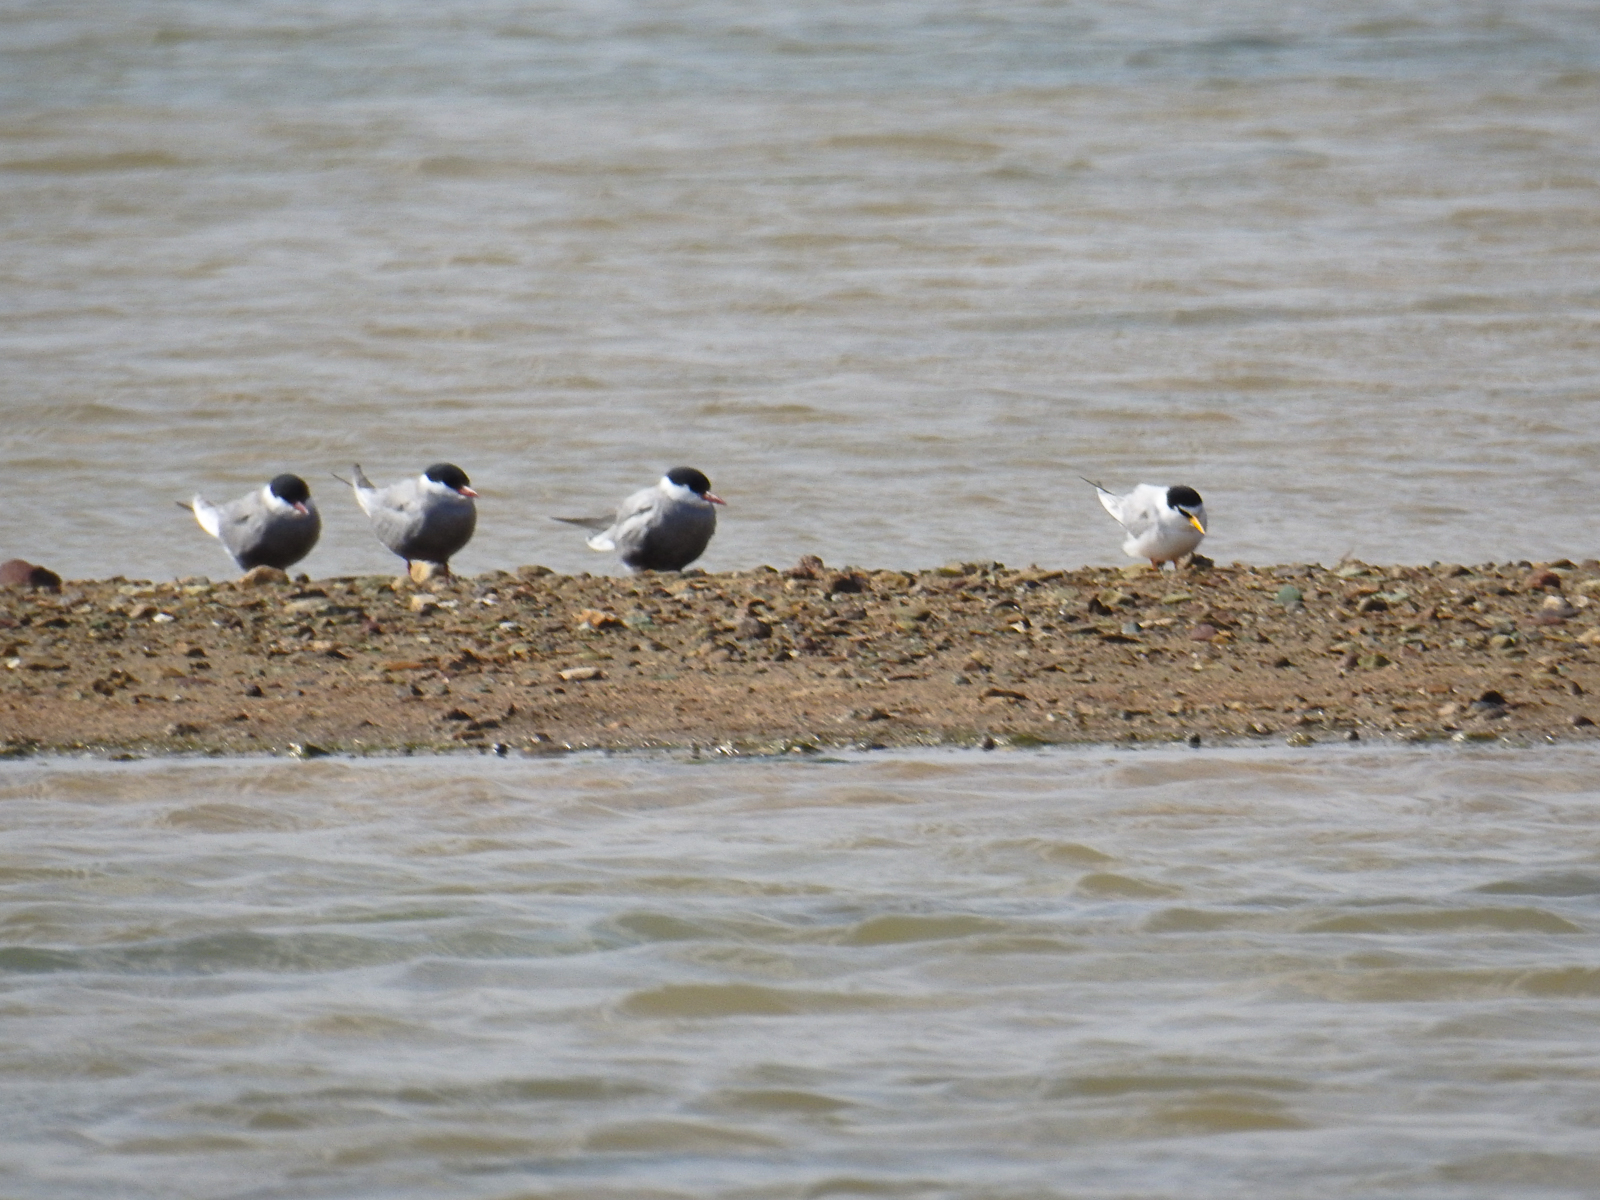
(802, 660)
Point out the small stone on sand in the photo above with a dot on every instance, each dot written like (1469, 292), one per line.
(262, 576)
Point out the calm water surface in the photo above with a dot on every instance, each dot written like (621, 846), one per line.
(1259, 973)
(892, 273)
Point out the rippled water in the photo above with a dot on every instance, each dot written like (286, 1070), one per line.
(1121, 973)
(893, 274)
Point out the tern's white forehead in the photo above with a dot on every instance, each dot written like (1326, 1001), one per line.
(676, 490)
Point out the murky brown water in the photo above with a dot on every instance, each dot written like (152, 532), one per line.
(893, 274)
(1261, 973)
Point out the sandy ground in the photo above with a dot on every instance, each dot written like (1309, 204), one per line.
(803, 659)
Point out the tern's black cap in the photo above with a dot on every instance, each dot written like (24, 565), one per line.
(291, 489)
(1183, 497)
(448, 474)
(690, 478)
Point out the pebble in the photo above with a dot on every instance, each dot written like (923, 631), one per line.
(262, 577)
(842, 584)
(753, 629)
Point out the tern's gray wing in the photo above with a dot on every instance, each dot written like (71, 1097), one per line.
(638, 508)
(610, 531)
(395, 511)
(632, 521)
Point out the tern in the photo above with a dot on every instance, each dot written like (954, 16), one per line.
(426, 519)
(661, 528)
(274, 526)
(1163, 523)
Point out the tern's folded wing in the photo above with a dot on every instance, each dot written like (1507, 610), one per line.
(635, 514)
(395, 514)
(1140, 510)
